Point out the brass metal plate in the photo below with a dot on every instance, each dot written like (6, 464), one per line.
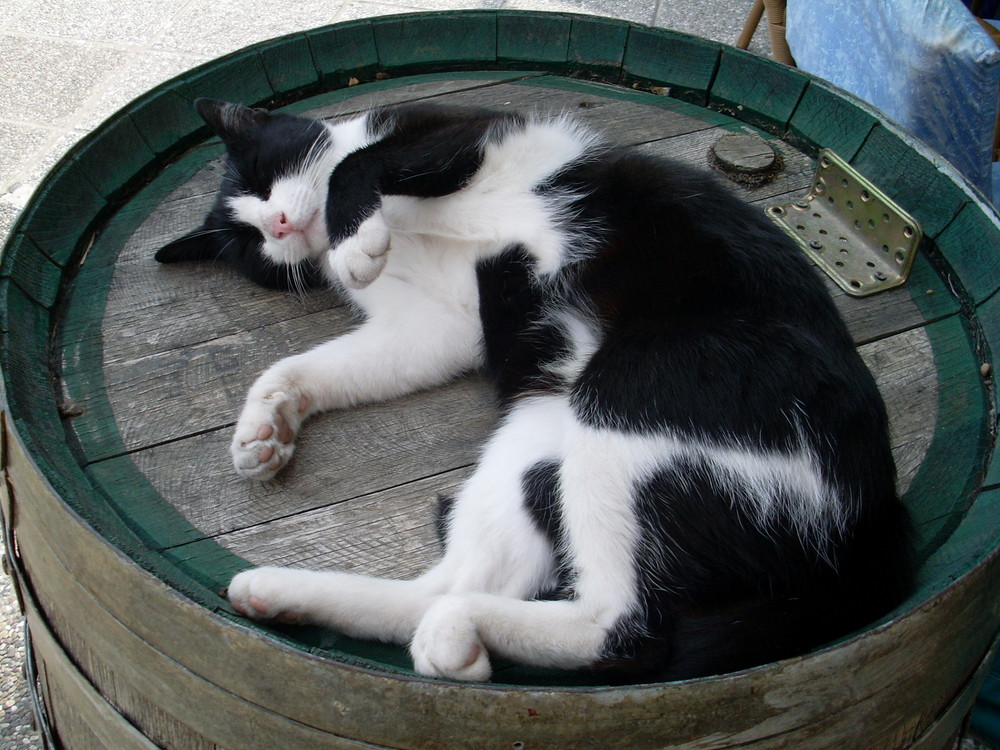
(858, 235)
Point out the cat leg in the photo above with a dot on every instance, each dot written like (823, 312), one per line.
(359, 606)
(359, 259)
(417, 344)
(601, 540)
(493, 545)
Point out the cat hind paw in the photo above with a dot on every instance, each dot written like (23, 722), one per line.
(257, 593)
(446, 645)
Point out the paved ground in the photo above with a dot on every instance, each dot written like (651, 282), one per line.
(66, 65)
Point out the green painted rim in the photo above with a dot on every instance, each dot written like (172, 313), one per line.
(57, 264)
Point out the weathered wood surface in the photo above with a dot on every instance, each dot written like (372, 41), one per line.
(181, 345)
(155, 360)
(133, 636)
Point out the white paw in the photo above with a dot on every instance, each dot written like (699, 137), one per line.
(265, 594)
(358, 260)
(264, 439)
(447, 645)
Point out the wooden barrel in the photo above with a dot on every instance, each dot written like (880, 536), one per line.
(121, 380)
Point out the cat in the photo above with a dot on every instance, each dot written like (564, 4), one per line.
(691, 474)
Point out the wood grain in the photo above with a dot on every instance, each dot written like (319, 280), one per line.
(127, 555)
(802, 702)
(181, 345)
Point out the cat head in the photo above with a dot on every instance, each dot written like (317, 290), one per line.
(269, 217)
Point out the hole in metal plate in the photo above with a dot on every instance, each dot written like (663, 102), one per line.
(876, 240)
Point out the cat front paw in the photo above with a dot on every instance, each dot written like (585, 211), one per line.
(264, 439)
(262, 594)
(358, 260)
(446, 644)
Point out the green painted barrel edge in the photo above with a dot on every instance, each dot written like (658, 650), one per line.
(160, 125)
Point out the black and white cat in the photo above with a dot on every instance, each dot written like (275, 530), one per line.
(692, 473)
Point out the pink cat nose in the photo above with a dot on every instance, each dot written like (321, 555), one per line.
(280, 226)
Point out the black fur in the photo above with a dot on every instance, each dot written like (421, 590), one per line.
(400, 162)
(716, 328)
(252, 163)
(713, 328)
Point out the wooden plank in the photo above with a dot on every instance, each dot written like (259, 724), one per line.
(951, 473)
(166, 118)
(947, 727)
(388, 92)
(156, 524)
(342, 449)
(61, 207)
(684, 64)
(756, 90)
(924, 298)
(626, 115)
(113, 156)
(211, 378)
(597, 48)
(341, 455)
(27, 381)
(988, 316)
(57, 477)
(204, 381)
(205, 301)
(533, 41)
(390, 533)
(192, 702)
(238, 77)
(108, 728)
(445, 41)
(907, 379)
(826, 118)
(31, 270)
(891, 162)
(343, 52)
(971, 246)
(289, 65)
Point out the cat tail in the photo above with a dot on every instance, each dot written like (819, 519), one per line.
(239, 249)
(193, 246)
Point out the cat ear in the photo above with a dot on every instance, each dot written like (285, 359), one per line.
(233, 123)
(196, 245)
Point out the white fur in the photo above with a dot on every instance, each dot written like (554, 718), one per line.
(359, 259)
(301, 197)
(499, 208)
(472, 602)
(411, 270)
(422, 329)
